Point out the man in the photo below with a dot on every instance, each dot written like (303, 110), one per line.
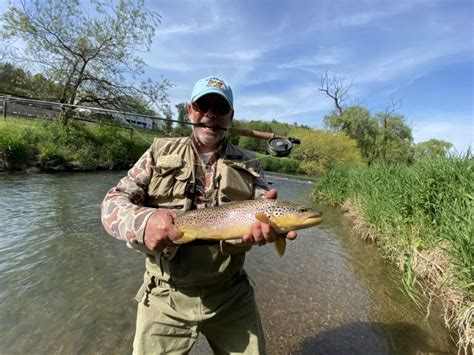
(200, 286)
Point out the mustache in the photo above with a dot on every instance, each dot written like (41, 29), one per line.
(207, 125)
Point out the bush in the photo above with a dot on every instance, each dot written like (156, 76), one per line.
(51, 156)
(279, 165)
(15, 147)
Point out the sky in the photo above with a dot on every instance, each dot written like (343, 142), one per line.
(417, 53)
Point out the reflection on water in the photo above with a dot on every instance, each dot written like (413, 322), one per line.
(66, 287)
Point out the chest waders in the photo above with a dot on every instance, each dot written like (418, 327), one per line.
(200, 286)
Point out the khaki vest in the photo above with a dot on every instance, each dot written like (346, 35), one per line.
(172, 187)
(172, 183)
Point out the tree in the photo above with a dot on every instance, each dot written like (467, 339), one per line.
(183, 129)
(18, 82)
(336, 89)
(432, 148)
(394, 143)
(89, 50)
(357, 123)
(384, 137)
(321, 150)
(168, 127)
(13, 80)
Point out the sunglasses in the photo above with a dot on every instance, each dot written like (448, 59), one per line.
(219, 106)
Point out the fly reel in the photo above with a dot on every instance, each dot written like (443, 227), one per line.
(281, 146)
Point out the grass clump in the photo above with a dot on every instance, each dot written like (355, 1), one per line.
(15, 147)
(422, 217)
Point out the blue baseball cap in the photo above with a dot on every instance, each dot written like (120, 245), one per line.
(212, 84)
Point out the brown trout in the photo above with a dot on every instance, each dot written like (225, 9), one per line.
(234, 219)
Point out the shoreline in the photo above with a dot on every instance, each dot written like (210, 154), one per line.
(432, 267)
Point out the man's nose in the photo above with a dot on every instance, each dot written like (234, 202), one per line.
(210, 112)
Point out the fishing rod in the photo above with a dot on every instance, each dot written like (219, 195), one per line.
(278, 146)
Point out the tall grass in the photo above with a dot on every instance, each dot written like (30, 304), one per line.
(422, 217)
(53, 146)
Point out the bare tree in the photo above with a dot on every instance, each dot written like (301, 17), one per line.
(335, 87)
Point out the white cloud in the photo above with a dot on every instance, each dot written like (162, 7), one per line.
(307, 62)
(408, 64)
(288, 105)
(243, 54)
(457, 130)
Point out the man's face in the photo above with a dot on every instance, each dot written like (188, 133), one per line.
(212, 110)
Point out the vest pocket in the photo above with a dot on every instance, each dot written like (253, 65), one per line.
(236, 181)
(168, 182)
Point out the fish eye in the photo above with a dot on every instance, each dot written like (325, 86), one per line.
(303, 209)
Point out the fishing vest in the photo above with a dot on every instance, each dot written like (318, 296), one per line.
(172, 186)
(173, 182)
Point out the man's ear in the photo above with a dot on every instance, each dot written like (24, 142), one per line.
(232, 115)
(189, 108)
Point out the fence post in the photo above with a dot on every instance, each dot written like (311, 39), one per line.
(5, 108)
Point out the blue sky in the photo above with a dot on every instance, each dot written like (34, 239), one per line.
(419, 53)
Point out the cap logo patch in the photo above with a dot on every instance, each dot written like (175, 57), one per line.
(216, 82)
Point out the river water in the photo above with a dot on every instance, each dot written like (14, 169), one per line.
(67, 288)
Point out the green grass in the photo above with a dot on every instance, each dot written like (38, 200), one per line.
(50, 145)
(422, 217)
(279, 165)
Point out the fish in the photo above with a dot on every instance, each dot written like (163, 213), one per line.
(234, 219)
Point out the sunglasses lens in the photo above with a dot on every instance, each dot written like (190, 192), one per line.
(202, 105)
(220, 107)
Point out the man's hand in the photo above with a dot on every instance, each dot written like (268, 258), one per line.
(263, 233)
(160, 230)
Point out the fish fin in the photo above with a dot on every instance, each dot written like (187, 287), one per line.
(262, 217)
(280, 246)
(186, 238)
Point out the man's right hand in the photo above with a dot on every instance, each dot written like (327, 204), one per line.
(160, 230)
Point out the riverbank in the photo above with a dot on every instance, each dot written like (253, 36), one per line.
(50, 146)
(421, 217)
(34, 145)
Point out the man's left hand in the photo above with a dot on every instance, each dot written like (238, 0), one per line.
(263, 233)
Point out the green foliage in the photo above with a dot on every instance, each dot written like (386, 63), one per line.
(182, 129)
(424, 207)
(280, 165)
(432, 148)
(168, 128)
(14, 146)
(51, 155)
(381, 138)
(322, 150)
(18, 82)
(253, 144)
(87, 54)
(74, 146)
(394, 142)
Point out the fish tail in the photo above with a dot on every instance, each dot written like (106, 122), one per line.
(280, 246)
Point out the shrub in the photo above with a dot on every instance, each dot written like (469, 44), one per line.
(15, 147)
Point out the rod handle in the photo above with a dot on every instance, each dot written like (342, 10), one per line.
(251, 133)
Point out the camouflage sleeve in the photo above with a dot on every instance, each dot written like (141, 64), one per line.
(123, 214)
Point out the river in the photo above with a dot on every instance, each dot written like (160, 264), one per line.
(68, 288)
